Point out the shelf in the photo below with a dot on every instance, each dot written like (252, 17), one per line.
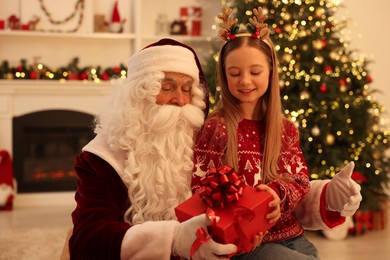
(186, 38)
(67, 35)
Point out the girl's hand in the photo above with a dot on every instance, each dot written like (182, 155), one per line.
(275, 204)
(258, 239)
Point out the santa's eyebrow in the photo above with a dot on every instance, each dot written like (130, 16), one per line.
(169, 79)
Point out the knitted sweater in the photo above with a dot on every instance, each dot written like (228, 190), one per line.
(209, 152)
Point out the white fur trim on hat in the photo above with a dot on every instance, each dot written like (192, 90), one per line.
(168, 58)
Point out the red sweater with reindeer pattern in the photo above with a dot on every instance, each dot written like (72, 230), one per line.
(209, 152)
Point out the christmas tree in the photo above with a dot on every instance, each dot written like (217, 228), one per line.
(326, 91)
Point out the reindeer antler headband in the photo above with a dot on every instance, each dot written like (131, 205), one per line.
(230, 29)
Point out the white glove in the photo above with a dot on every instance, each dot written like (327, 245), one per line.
(342, 193)
(185, 235)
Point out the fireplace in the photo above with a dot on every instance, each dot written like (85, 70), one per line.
(45, 145)
(19, 98)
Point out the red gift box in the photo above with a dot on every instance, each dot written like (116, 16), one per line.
(239, 222)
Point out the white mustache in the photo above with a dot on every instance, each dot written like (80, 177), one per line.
(168, 116)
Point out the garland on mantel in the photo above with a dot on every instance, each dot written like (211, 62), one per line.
(72, 71)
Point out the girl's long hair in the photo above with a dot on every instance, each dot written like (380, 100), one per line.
(229, 108)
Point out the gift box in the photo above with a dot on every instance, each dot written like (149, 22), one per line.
(380, 217)
(362, 222)
(239, 222)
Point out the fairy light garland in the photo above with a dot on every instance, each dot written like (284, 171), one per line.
(78, 8)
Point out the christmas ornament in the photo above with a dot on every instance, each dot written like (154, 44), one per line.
(13, 22)
(323, 88)
(328, 69)
(178, 28)
(315, 131)
(99, 23)
(33, 23)
(343, 87)
(330, 139)
(162, 24)
(368, 79)
(278, 30)
(196, 27)
(116, 24)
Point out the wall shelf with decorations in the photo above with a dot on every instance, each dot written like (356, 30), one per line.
(57, 47)
(99, 35)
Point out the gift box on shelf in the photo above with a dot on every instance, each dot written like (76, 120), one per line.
(239, 221)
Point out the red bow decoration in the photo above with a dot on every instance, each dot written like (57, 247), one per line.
(221, 187)
(201, 237)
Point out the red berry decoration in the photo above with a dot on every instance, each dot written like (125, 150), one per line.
(105, 76)
(83, 75)
(33, 75)
(116, 70)
(369, 79)
(231, 36)
(255, 35)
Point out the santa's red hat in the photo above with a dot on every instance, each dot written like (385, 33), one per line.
(170, 56)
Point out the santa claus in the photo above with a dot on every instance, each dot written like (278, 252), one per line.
(139, 166)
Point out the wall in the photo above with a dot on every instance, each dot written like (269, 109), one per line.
(369, 33)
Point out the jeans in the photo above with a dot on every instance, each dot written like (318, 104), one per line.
(298, 248)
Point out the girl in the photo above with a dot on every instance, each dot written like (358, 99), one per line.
(249, 132)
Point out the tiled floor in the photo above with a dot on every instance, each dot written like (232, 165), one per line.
(54, 221)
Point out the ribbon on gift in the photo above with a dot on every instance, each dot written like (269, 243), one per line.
(241, 215)
(247, 215)
(201, 237)
(220, 187)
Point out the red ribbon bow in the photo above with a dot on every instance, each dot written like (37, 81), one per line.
(220, 187)
(201, 237)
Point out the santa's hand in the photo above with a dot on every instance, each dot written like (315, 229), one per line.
(185, 235)
(342, 193)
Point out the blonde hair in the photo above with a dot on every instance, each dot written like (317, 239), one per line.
(232, 114)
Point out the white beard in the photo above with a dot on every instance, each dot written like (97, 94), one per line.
(160, 161)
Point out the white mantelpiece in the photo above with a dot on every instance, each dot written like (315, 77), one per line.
(20, 97)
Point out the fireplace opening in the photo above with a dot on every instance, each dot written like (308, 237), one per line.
(45, 145)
